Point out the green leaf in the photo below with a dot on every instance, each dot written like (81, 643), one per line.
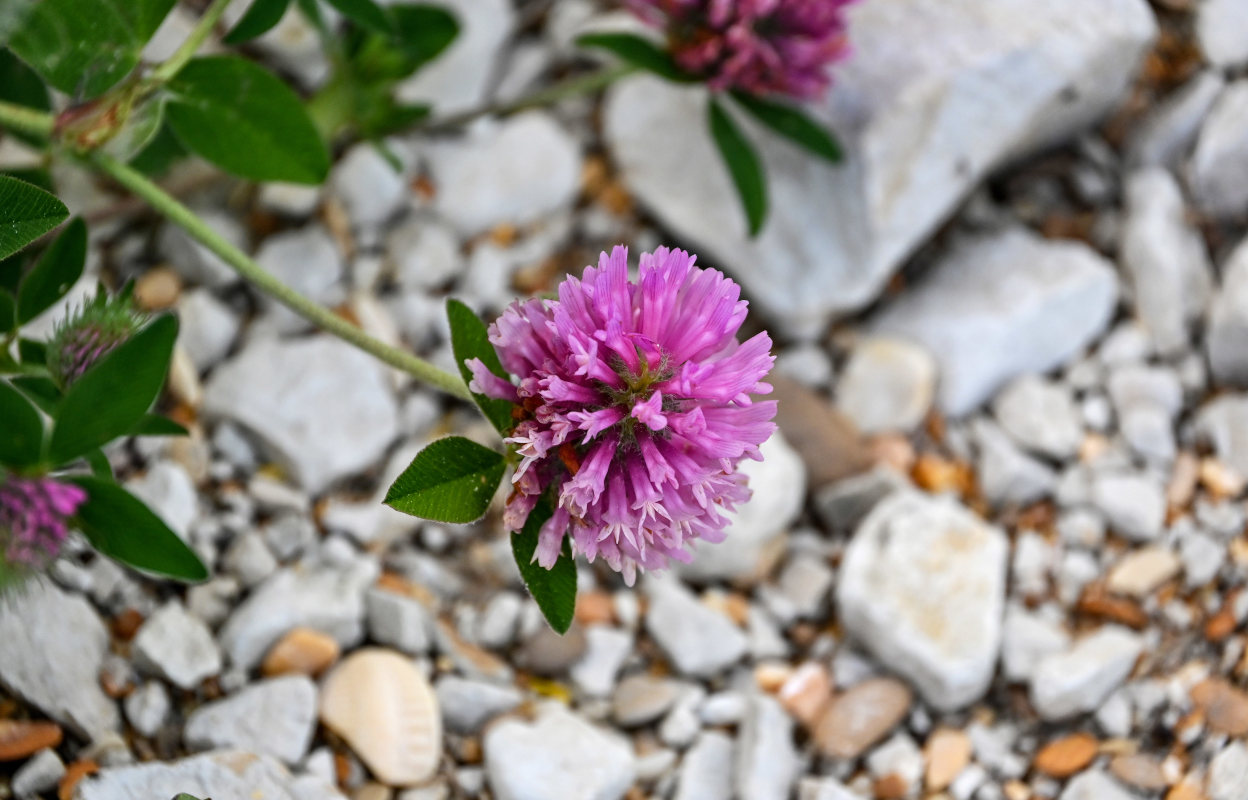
(117, 524)
(33, 352)
(19, 84)
(112, 397)
(364, 13)
(83, 47)
(41, 391)
(259, 19)
(100, 467)
(12, 15)
(638, 51)
(451, 480)
(469, 339)
(742, 163)
(422, 32)
(246, 121)
(8, 311)
(554, 589)
(26, 213)
(156, 425)
(54, 273)
(21, 443)
(793, 124)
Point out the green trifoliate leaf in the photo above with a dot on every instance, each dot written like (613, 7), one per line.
(743, 165)
(553, 589)
(451, 480)
(26, 213)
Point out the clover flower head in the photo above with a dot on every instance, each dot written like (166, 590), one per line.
(94, 331)
(762, 47)
(637, 406)
(34, 520)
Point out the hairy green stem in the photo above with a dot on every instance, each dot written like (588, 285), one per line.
(581, 84)
(315, 313)
(26, 120)
(171, 67)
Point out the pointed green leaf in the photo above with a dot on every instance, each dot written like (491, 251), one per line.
(742, 163)
(156, 425)
(451, 480)
(470, 339)
(21, 85)
(246, 121)
(117, 524)
(364, 13)
(793, 124)
(100, 466)
(83, 47)
(111, 398)
(41, 391)
(258, 20)
(58, 269)
(8, 311)
(26, 213)
(638, 51)
(422, 32)
(554, 589)
(21, 440)
(33, 352)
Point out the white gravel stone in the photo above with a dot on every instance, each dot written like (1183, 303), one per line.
(1029, 637)
(1228, 772)
(767, 762)
(606, 650)
(922, 586)
(934, 97)
(467, 705)
(1096, 785)
(321, 424)
(207, 329)
(177, 646)
(369, 186)
(460, 78)
(397, 621)
(1134, 504)
(1227, 336)
(887, 385)
(1222, 30)
(249, 559)
(1165, 260)
(276, 717)
(294, 200)
(1218, 170)
(41, 773)
(898, 756)
(425, 254)
(700, 641)
(1078, 680)
(307, 260)
(1168, 130)
(558, 755)
(327, 599)
(1003, 305)
(147, 708)
(1008, 476)
(194, 261)
(1202, 555)
(1223, 422)
(1040, 415)
(225, 775)
(54, 648)
(825, 789)
(516, 172)
(168, 490)
(755, 536)
(707, 770)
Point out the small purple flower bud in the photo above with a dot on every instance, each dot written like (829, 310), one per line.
(638, 407)
(758, 46)
(34, 520)
(97, 329)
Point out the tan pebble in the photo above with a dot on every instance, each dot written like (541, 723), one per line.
(387, 712)
(1219, 479)
(303, 651)
(1186, 789)
(1016, 790)
(893, 451)
(1140, 572)
(1224, 706)
(1238, 548)
(22, 738)
(1141, 770)
(947, 751)
(862, 716)
(936, 474)
(771, 675)
(1093, 447)
(595, 608)
(806, 693)
(1183, 477)
(890, 787)
(74, 773)
(184, 383)
(1064, 757)
(157, 289)
(373, 791)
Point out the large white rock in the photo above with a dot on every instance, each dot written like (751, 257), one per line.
(324, 409)
(1218, 171)
(177, 646)
(1080, 679)
(460, 78)
(922, 586)
(936, 95)
(515, 171)
(558, 755)
(224, 775)
(1222, 29)
(1227, 337)
(1003, 305)
(755, 537)
(276, 717)
(698, 640)
(1165, 260)
(54, 645)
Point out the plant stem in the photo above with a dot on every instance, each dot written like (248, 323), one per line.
(315, 313)
(26, 120)
(581, 84)
(166, 71)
